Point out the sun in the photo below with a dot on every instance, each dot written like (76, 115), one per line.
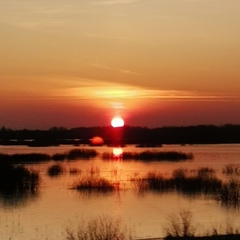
(117, 121)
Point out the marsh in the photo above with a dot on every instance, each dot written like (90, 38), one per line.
(58, 204)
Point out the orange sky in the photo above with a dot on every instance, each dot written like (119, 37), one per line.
(155, 62)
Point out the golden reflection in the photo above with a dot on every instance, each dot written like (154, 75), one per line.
(117, 153)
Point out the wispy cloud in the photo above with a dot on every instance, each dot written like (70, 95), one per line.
(114, 2)
(111, 68)
(38, 15)
(111, 95)
(96, 89)
(109, 37)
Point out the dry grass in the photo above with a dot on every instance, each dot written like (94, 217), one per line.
(100, 228)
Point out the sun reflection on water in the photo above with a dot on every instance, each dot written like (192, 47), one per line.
(117, 153)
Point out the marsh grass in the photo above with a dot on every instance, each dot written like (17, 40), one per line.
(73, 154)
(74, 171)
(201, 181)
(229, 193)
(214, 236)
(100, 228)
(17, 179)
(92, 181)
(192, 183)
(151, 156)
(93, 184)
(55, 170)
(156, 155)
(59, 156)
(179, 225)
(25, 158)
(232, 169)
(81, 153)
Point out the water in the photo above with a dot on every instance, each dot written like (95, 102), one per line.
(56, 207)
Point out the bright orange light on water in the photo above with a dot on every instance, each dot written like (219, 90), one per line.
(117, 121)
(117, 152)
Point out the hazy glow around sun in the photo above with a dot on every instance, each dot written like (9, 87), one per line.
(116, 93)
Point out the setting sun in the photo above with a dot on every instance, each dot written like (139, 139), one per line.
(117, 121)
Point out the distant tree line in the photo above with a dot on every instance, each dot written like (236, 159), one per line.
(200, 134)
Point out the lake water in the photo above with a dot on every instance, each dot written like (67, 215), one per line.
(56, 207)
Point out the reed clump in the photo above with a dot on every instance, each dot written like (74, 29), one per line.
(74, 171)
(73, 154)
(229, 193)
(201, 181)
(17, 179)
(92, 181)
(173, 156)
(180, 226)
(59, 156)
(157, 156)
(155, 182)
(81, 153)
(232, 169)
(55, 170)
(25, 157)
(100, 228)
(93, 184)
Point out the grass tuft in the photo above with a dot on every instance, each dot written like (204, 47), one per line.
(232, 169)
(55, 170)
(81, 153)
(92, 181)
(100, 228)
(151, 156)
(229, 193)
(17, 180)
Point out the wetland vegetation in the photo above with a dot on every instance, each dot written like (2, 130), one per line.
(17, 179)
(172, 156)
(202, 181)
(222, 187)
(78, 153)
(55, 170)
(92, 181)
(178, 226)
(100, 228)
(84, 153)
(17, 183)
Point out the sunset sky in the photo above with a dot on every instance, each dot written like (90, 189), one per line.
(74, 63)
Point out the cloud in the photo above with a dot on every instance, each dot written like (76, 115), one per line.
(111, 68)
(95, 89)
(114, 2)
(39, 15)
